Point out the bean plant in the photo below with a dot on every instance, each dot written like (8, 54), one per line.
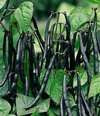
(62, 77)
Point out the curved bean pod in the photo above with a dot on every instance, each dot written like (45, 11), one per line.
(10, 49)
(79, 105)
(17, 70)
(68, 109)
(26, 92)
(85, 105)
(85, 60)
(62, 106)
(96, 62)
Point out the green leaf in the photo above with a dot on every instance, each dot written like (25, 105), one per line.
(49, 82)
(83, 77)
(56, 86)
(84, 88)
(23, 15)
(74, 111)
(77, 17)
(94, 1)
(13, 19)
(4, 107)
(43, 106)
(2, 2)
(56, 91)
(11, 115)
(55, 109)
(94, 86)
(1, 48)
(20, 84)
(60, 75)
(15, 25)
(3, 113)
(71, 99)
(4, 88)
(22, 101)
(51, 113)
(36, 113)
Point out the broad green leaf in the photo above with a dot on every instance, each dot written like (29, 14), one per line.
(22, 101)
(56, 91)
(13, 19)
(36, 113)
(51, 113)
(60, 75)
(54, 84)
(4, 107)
(3, 89)
(49, 82)
(3, 113)
(11, 115)
(84, 88)
(77, 17)
(2, 2)
(55, 109)
(94, 1)
(94, 86)
(44, 105)
(23, 15)
(56, 87)
(83, 77)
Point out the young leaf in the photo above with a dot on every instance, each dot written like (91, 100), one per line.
(2, 2)
(23, 15)
(4, 107)
(94, 86)
(77, 17)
